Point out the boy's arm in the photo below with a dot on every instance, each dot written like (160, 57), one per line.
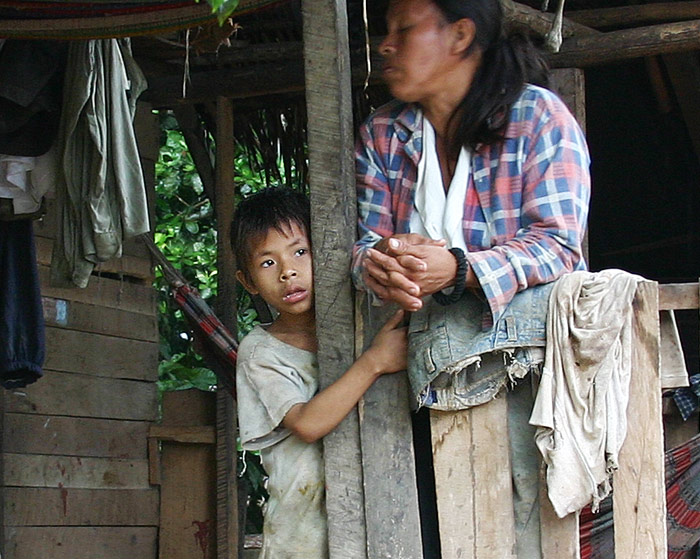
(319, 416)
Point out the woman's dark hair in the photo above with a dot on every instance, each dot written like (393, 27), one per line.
(270, 208)
(508, 62)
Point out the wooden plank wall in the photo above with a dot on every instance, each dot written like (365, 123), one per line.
(75, 481)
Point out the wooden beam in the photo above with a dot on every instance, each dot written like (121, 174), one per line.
(227, 528)
(676, 296)
(263, 79)
(616, 46)
(193, 131)
(531, 20)
(333, 230)
(639, 498)
(628, 16)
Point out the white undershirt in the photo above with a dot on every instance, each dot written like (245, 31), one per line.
(436, 215)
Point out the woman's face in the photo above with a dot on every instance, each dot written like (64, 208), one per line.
(417, 50)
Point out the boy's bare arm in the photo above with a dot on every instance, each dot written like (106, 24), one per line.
(320, 415)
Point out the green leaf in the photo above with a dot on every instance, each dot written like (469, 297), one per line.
(222, 8)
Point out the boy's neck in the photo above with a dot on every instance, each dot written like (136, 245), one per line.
(298, 330)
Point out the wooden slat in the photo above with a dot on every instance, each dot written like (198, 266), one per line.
(473, 481)
(40, 470)
(72, 542)
(30, 506)
(44, 434)
(388, 461)
(105, 356)
(639, 499)
(100, 320)
(186, 408)
(85, 396)
(105, 292)
(188, 503)
(131, 266)
(676, 296)
(194, 435)
(333, 230)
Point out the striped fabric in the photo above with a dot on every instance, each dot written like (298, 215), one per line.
(527, 199)
(682, 466)
(100, 19)
(217, 345)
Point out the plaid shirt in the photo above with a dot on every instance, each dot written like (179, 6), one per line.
(526, 204)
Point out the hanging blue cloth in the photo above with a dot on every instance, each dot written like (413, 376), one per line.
(22, 345)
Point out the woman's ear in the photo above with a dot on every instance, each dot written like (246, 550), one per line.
(464, 33)
(246, 282)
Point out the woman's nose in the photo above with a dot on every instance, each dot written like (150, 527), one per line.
(385, 47)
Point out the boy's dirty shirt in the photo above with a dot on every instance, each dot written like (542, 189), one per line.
(273, 376)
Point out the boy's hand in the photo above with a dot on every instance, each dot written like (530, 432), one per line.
(390, 345)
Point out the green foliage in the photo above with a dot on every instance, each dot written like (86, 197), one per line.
(186, 234)
(222, 8)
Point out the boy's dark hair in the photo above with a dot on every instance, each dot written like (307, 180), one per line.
(270, 208)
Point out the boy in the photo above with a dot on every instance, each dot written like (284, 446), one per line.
(280, 412)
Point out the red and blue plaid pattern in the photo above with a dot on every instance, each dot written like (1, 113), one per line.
(682, 469)
(527, 199)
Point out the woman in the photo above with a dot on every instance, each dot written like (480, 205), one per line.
(473, 187)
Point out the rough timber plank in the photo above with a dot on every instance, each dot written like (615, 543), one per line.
(473, 481)
(388, 461)
(187, 502)
(68, 543)
(32, 506)
(639, 499)
(105, 292)
(40, 470)
(676, 296)
(333, 210)
(100, 320)
(85, 396)
(227, 530)
(44, 434)
(106, 356)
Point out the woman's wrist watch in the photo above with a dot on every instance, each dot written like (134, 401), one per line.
(460, 280)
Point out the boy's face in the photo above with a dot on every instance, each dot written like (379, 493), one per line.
(280, 270)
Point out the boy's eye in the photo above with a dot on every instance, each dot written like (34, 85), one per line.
(267, 263)
(301, 251)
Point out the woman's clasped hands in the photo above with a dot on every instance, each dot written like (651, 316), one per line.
(404, 268)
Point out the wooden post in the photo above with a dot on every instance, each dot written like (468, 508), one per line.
(3, 490)
(473, 481)
(639, 498)
(227, 541)
(571, 87)
(388, 460)
(333, 230)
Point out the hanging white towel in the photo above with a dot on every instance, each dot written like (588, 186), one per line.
(581, 406)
